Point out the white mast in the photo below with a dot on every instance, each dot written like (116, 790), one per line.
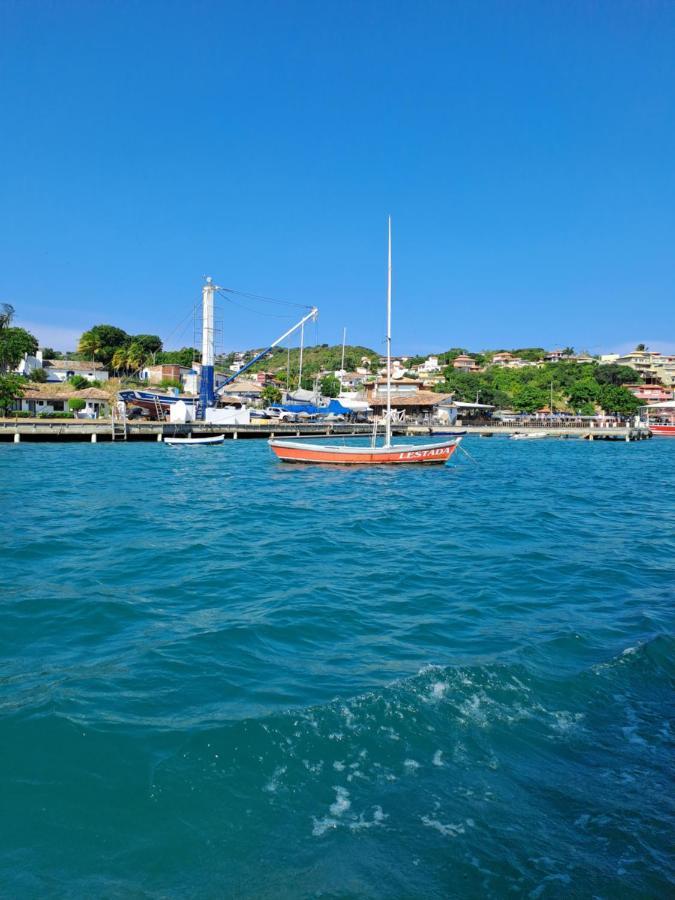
(206, 381)
(342, 364)
(387, 441)
(302, 344)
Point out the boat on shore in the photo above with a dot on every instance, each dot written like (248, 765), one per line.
(157, 404)
(388, 454)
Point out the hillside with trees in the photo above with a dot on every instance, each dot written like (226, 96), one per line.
(315, 359)
(578, 388)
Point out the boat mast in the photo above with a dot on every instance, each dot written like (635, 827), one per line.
(387, 440)
(206, 381)
(302, 345)
(342, 364)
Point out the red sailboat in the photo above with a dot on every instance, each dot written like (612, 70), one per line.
(388, 454)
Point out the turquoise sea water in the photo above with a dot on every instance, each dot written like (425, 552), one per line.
(227, 677)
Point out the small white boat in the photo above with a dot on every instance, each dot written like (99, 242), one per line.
(192, 441)
(528, 436)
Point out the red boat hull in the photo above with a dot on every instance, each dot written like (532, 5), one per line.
(428, 454)
(662, 430)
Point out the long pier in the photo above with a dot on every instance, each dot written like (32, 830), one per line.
(583, 432)
(104, 430)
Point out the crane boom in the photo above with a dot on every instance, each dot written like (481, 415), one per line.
(312, 314)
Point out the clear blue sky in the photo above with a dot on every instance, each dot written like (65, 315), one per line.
(526, 151)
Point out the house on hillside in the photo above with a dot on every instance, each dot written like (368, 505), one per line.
(464, 363)
(428, 367)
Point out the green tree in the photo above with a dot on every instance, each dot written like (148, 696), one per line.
(136, 357)
(79, 382)
(617, 400)
(583, 392)
(119, 359)
(14, 344)
(330, 386)
(11, 389)
(76, 403)
(613, 374)
(101, 341)
(531, 354)
(183, 357)
(50, 353)
(529, 398)
(151, 343)
(270, 395)
(39, 376)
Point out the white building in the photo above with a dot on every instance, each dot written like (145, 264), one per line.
(429, 366)
(63, 369)
(45, 399)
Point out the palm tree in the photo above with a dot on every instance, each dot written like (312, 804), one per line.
(136, 357)
(6, 315)
(89, 345)
(119, 359)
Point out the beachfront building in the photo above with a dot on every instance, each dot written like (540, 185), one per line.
(241, 389)
(410, 406)
(46, 398)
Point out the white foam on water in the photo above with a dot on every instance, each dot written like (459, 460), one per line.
(438, 758)
(273, 784)
(361, 822)
(342, 801)
(348, 716)
(321, 826)
(411, 765)
(448, 830)
(438, 689)
(565, 721)
(339, 766)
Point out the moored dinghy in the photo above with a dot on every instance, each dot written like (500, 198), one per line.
(389, 454)
(194, 441)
